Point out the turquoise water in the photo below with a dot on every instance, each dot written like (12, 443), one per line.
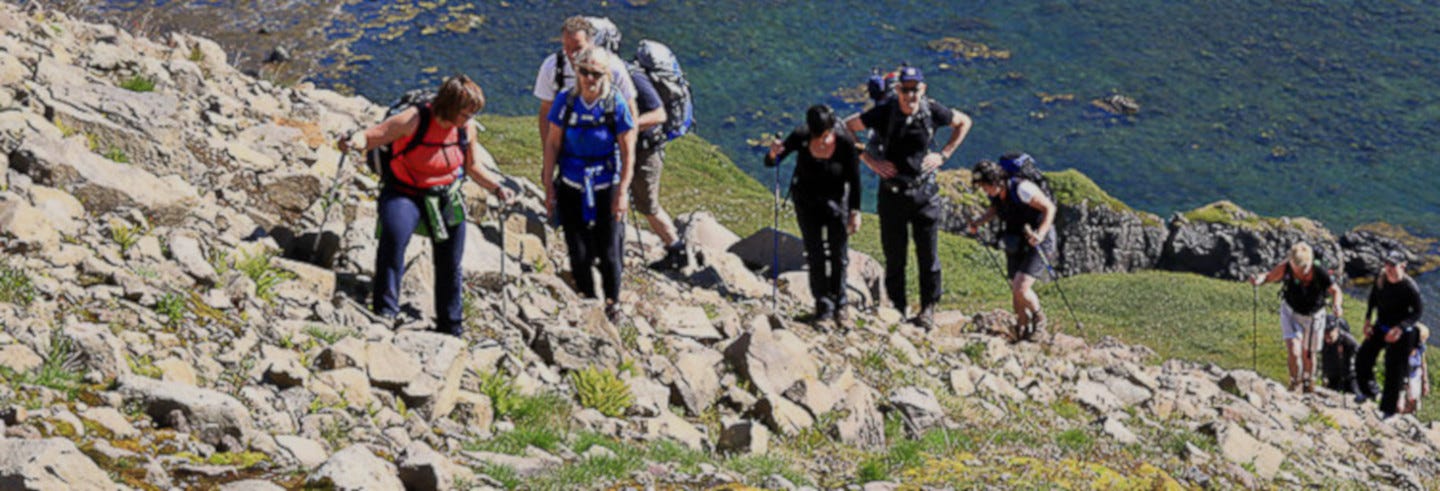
(1322, 109)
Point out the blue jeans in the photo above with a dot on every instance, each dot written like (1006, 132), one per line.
(399, 215)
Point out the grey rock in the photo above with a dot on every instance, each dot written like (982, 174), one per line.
(568, 348)
(744, 437)
(309, 453)
(50, 464)
(355, 468)
(96, 349)
(919, 407)
(424, 469)
(215, 418)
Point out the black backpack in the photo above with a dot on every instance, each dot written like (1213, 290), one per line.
(1020, 165)
(656, 62)
(379, 158)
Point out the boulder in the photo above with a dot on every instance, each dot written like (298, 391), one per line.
(390, 367)
(696, 384)
(688, 321)
(27, 227)
(919, 407)
(1237, 446)
(726, 272)
(355, 469)
(95, 348)
(213, 417)
(768, 248)
(568, 348)
(49, 464)
(102, 185)
(744, 437)
(308, 453)
(424, 469)
(701, 230)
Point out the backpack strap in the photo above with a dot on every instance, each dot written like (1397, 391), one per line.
(420, 130)
(559, 71)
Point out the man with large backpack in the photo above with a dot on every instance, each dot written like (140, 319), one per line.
(1302, 310)
(909, 201)
(557, 72)
(1027, 211)
(665, 111)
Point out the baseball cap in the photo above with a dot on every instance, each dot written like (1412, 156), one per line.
(911, 74)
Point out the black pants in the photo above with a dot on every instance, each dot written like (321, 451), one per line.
(905, 214)
(822, 228)
(1397, 366)
(602, 240)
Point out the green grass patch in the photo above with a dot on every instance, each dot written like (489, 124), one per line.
(172, 308)
(330, 335)
(15, 285)
(117, 155)
(1075, 440)
(126, 236)
(138, 83)
(257, 267)
(602, 390)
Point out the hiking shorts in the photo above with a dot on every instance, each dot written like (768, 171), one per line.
(1413, 385)
(1026, 259)
(645, 185)
(1295, 326)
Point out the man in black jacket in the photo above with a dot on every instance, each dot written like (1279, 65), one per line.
(1396, 305)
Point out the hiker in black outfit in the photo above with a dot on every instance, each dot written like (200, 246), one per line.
(909, 201)
(1337, 358)
(1029, 219)
(1302, 313)
(1396, 305)
(826, 191)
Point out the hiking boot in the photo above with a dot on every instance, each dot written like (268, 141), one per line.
(612, 313)
(843, 318)
(675, 259)
(1307, 387)
(926, 318)
(1361, 398)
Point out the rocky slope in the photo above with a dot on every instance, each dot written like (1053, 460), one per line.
(186, 260)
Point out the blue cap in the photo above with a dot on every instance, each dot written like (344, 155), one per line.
(911, 74)
(1394, 256)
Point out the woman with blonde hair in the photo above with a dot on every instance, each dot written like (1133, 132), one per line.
(588, 166)
(1302, 316)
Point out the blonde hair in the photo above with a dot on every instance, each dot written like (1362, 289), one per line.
(595, 56)
(1424, 332)
(1301, 256)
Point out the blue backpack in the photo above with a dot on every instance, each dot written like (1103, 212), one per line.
(662, 68)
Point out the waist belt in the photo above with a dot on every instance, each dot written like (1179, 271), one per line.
(901, 184)
(587, 187)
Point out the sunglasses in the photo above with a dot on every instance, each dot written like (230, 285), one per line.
(591, 73)
(909, 90)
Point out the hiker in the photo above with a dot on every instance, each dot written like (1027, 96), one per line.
(590, 151)
(1338, 357)
(1028, 216)
(1302, 311)
(557, 72)
(909, 202)
(1418, 383)
(649, 162)
(826, 191)
(1396, 306)
(421, 191)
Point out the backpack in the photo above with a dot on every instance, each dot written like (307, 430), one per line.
(607, 36)
(379, 158)
(879, 140)
(659, 64)
(881, 86)
(1020, 165)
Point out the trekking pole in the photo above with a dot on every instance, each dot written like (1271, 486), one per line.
(775, 247)
(1254, 326)
(1056, 276)
(504, 258)
(993, 260)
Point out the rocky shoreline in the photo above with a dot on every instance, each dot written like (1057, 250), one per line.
(181, 295)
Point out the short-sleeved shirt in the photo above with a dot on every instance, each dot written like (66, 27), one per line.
(906, 141)
(646, 99)
(545, 88)
(589, 141)
(1306, 298)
